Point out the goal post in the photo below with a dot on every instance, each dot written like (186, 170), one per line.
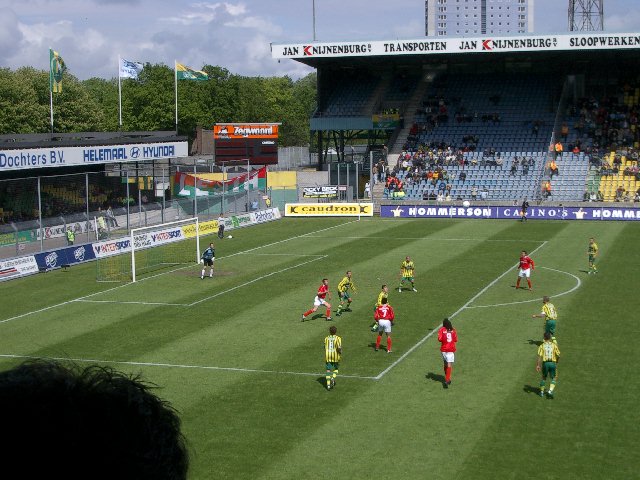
(148, 249)
(164, 245)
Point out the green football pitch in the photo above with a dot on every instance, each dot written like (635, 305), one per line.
(247, 376)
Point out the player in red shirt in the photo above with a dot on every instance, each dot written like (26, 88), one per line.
(447, 336)
(525, 267)
(384, 317)
(321, 296)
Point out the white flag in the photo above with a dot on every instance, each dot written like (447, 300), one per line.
(129, 69)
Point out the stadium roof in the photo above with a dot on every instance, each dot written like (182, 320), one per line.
(316, 54)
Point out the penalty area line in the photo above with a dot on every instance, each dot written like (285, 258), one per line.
(454, 314)
(177, 365)
(255, 280)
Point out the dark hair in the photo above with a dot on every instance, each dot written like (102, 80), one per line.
(333, 329)
(384, 300)
(92, 422)
(446, 323)
(547, 335)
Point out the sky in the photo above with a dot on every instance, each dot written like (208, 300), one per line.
(235, 34)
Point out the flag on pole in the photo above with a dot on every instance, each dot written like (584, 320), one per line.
(56, 69)
(185, 73)
(129, 69)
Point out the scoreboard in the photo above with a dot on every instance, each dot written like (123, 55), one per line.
(239, 142)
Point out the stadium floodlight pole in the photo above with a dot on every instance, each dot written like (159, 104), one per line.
(314, 19)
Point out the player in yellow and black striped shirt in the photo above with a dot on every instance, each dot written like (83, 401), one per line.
(550, 315)
(332, 355)
(548, 356)
(407, 269)
(593, 253)
(344, 287)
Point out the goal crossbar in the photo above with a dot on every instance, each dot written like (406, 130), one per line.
(145, 238)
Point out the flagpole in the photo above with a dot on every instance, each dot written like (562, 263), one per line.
(50, 91)
(119, 94)
(175, 82)
(51, 108)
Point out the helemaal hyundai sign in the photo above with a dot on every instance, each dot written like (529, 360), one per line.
(26, 158)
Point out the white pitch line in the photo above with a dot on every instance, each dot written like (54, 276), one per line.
(578, 284)
(426, 239)
(255, 280)
(134, 303)
(284, 255)
(430, 334)
(174, 365)
(62, 304)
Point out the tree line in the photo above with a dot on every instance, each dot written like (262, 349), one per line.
(148, 102)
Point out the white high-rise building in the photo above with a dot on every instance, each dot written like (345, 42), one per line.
(461, 18)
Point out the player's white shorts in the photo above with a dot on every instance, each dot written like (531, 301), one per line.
(524, 273)
(448, 357)
(318, 301)
(384, 326)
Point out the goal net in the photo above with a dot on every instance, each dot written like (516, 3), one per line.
(148, 249)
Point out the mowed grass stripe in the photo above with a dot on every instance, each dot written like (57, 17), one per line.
(283, 426)
(398, 410)
(580, 424)
(250, 425)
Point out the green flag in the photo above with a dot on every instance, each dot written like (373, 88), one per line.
(56, 69)
(185, 73)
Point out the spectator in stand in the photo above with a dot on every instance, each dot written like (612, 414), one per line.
(553, 169)
(600, 196)
(535, 128)
(546, 189)
(558, 149)
(474, 192)
(484, 194)
(514, 167)
(463, 176)
(564, 131)
(525, 168)
(620, 191)
(111, 218)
